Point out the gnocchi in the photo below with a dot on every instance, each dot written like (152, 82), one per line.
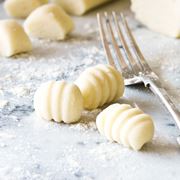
(79, 7)
(13, 38)
(49, 21)
(125, 125)
(99, 85)
(22, 8)
(58, 101)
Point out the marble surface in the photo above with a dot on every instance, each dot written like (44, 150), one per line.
(31, 148)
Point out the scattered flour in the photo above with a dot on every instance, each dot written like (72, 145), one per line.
(5, 135)
(47, 150)
(20, 91)
(3, 103)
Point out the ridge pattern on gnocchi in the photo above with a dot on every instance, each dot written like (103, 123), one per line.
(58, 101)
(99, 85)
(125, 125)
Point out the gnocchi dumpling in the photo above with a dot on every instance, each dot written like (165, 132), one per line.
(49, 21)
(13, 39)
(58, 101)
(79, 7)
(22, 8)
(125, 125)
(99, 85)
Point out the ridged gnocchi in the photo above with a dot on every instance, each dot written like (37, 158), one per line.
(99, 85)
(59, 101)
(125, 125)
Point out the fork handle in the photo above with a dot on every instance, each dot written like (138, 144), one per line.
(157, 89)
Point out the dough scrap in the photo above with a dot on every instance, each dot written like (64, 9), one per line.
(125, 125)
(99, 85)
(22, 8)
(50, 22)
(13, 39)
(162, 16)
(79, 7)
(58, 101)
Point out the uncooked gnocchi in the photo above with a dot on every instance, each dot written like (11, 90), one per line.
(79, 7)
(49, 22)
(58, 101)
(125, 125)
(13, 39)
(22, 8)
(99, 85)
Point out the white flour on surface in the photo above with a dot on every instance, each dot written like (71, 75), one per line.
(32, 148)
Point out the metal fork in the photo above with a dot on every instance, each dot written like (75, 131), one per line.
(130, 59)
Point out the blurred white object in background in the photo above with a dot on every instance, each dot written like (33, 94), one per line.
(159, 15)
(79, 7)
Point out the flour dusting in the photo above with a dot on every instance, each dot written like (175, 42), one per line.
(32, 148)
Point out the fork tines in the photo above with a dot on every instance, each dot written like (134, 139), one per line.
(118, 41)
(129, 57)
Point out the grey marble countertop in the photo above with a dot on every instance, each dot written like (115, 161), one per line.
(35, 149)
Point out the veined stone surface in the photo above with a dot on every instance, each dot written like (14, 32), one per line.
(35, 149)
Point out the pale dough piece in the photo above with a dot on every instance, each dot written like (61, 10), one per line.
(58, 101)
(126, 125)
(162, 16)
(22, 8)
(99, 85)
(13, 39)
(49, 21)
(79, 7)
